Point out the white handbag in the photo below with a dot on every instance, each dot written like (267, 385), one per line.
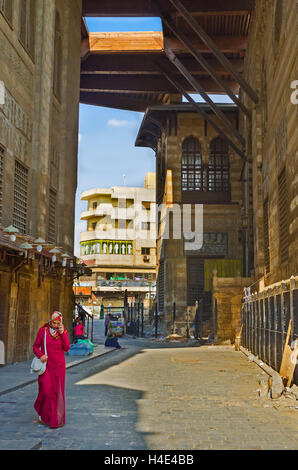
(36, 365)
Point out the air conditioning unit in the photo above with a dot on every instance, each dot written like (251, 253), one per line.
(146, 258)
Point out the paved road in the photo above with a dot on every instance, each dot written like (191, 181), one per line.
(155, 396)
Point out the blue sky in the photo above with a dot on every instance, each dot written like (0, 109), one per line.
(107, 136)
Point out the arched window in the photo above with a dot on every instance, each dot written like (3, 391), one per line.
(219, 166)
(192, 169)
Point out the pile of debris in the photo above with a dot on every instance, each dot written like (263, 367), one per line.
(173, 338)
(287, 399)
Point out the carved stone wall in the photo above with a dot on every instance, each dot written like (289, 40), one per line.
(40, 133)
(271, 67)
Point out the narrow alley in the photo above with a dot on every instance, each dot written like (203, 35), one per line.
(153, 395)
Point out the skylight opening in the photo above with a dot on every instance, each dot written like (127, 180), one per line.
(112, 24)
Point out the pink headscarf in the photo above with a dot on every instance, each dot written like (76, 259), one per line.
(56, 315)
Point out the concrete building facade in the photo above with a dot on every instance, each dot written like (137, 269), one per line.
(119, 244)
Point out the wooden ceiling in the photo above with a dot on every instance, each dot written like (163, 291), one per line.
(125, 70)
(143, 8)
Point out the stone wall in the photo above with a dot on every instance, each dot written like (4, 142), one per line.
(217, 218)
(40, 131)
(270, 68)
(227, 298)
(28, 307)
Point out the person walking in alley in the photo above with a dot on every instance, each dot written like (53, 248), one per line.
(107, 323)
(50, 402)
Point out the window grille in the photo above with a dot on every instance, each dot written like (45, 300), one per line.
(20, 198)
(161, 287)
(57, 58)
(283, 217)
(266, 237)
(52, 217)
(195, 279)
(219, 167)
(192, 169)
(27, 25)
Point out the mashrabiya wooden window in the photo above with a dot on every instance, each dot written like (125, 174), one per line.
(266, 236)
(219, 166)
(192, 169)
(20, 197)
(58, 52)
(52, 216)
(283, 217)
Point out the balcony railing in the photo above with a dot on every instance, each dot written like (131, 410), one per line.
(125, 283)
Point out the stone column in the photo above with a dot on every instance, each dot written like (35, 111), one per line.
(45, 21)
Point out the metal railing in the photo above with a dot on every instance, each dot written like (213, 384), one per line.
(116, 283)
(265, 321)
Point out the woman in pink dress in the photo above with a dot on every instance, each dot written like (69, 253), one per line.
(50, 403)
(79, 332)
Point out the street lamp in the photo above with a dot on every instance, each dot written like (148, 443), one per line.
(39, 242)
(26, 246)
(65, 258)
(11, 231)
(54, 252)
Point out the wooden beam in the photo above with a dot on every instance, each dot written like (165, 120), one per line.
(85, 49)
(216, 13)
(204, 114)
(213, 47)
(195, 84)
(143, 8)
(153, 42)
(226, 44)
(206, 65)
(156, 122)
(143, 64)
(111, 100)
(126, 41)
(144, 84)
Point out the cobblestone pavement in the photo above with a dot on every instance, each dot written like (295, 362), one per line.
(158, 396)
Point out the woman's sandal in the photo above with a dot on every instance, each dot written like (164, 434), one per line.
(39, 421)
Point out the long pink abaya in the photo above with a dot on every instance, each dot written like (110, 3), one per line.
(50, 403)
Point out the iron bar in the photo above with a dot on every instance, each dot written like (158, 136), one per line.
(195, 84)
(203, 113)
(193, 23)
(205, 64)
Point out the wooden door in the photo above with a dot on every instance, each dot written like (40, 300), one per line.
(22, 331)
